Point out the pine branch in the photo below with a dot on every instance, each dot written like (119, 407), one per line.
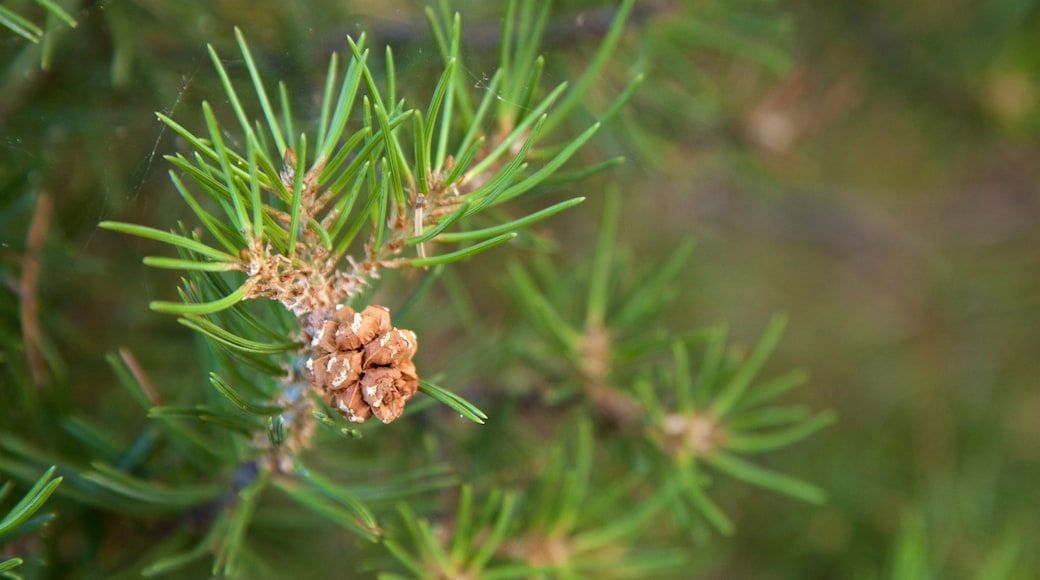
(689, 417)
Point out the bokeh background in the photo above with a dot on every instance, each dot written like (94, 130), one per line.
(870, 168)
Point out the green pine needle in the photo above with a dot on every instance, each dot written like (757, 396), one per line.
(762, 477)
(201, 307)
(168, 238)
(464, 407)
(514, 225)
(30, 503)
(463, 253)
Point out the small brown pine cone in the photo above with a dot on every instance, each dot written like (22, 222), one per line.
(363, 365)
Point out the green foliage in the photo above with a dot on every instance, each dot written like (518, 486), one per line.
(19, 519)
(690, 418)
(555, 528)
(383, 193)
(25, 27)
(22, 19)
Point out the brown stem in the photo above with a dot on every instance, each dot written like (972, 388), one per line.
(29, 306)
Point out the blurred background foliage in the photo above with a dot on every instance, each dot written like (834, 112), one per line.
(870, 168)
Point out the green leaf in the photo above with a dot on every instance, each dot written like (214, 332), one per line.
(711, 363)
(255, 200)
(235, 341)
(442, 225)
(454, 401)
(599, 277)
(197, 143)
(683, 382)
(645, 297)
(337, 493)
(379, 212)
(541, 311)
(767, 417)
(510, 226)
(238, 400)
(549, 168)
(603, 54)
(238, 218)
(201, 307)
(506, 37)
(628, 525)
(758, 442)
(343, 210)
(561, 178)
(531, 86)
(404, 556)
(283, 98)
(762, 477)
(12, 563)
(431, 547)
(493, 188)
(422, 154)
(472, 134)
(432, 111)
(354, 168)
(465, 158)
(462, 538)
(463, 253)
(261, 94)
(344, 104)
(394, 155)
(622, 98)
(201, 550)
(498, 533)
(912, 559)
(231, 544)
(235, 423)
(407, 484)
(100, 441)
(168, 238)
(177, 264)
(694, 492)
(575, 484)
(520, 131)
(173, 497)
(391, 77)
(731, 392)
(31, 502)
(229, 90)
(320, 505)
(218, 228)
(370, 82)
(448, 110)
(297, 196)
(59, 12)
(19, 25)
(772, 388)
(356, 224)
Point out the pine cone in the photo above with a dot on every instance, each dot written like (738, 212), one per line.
(363, 365)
